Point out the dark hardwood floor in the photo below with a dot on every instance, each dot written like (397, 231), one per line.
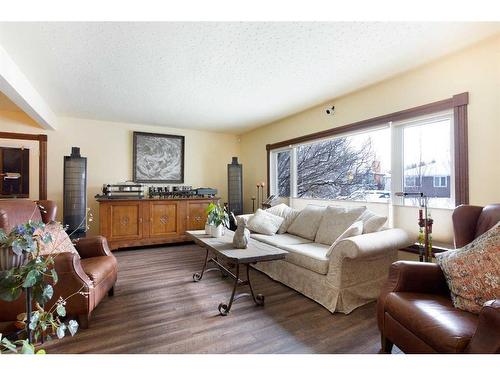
(157, 308)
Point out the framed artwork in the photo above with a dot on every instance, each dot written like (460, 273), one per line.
(158, 158)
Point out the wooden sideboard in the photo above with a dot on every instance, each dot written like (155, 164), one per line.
(139, 222)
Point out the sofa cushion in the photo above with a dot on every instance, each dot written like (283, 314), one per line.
(473, 272)
(335, 221)
(264, 222)
(355, 229)
(310, 255)
(433, 319)
(279, 239)
(372, 222)
(306, 223)
(287, 213)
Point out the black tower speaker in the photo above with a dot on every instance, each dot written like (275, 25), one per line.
(75, 193)
(235, 187)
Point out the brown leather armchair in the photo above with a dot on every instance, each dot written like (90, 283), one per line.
(93, 271)
(415, 311)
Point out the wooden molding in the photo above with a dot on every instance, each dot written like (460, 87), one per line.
(42, 161)
(458, 103)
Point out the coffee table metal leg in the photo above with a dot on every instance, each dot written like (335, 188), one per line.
(224, 308)
(257, 298)
(197, 276)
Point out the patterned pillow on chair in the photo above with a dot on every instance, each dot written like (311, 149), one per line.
(473, 272)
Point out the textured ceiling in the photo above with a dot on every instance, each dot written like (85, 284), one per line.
(218, 76)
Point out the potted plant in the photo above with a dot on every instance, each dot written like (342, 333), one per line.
(27, 270)
(217, 219)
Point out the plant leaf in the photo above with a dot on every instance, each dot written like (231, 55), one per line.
(72, 327)
(61, 310)
(32, 278)
(53, 273)
(60, 331)
(48, 292)
(27, 348)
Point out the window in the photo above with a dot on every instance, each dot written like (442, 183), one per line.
(414, 155)
(412, 181)
(353, 167)
(440, 181)
(423, 160)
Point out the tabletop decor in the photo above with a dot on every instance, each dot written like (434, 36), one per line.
(424, 224)
(158, 158)
(241, 234)
(217, 219)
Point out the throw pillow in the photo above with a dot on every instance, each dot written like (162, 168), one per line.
(265, 223)
(61, 243)
(306, 223)
(372, 222)
(335, 221)
(473, 272)
(287, 213)
(355, 229)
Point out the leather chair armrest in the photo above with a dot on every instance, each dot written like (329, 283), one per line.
(486, 339)
(48, 210)
(465, 219)
(93, 247)
(416, 277)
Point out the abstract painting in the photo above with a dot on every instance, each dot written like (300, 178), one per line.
(158, 158)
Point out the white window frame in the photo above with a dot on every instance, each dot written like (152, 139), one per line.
(397, 158)
(439, 184)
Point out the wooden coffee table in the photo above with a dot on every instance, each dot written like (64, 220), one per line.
(222, 248)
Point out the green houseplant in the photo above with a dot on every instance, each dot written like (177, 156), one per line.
(34, 273)
(217, 219)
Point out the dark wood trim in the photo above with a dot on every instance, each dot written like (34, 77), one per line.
(458, 103)
(134, 172)
(42, 160)
(461, 153)
(268, 176)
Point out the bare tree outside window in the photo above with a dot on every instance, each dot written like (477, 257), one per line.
(339, 168)
(283, 173)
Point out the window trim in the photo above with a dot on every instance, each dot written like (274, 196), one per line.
(458, 103)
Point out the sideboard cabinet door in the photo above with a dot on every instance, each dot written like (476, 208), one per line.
(125, 219)
(163, 219)
(197, 217)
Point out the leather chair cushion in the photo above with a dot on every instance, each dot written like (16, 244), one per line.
(99, 268)
(17, 211)
(433, 319)
(488, 218)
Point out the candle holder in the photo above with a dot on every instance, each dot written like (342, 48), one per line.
(424, 223)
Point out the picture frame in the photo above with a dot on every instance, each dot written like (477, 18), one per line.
(158, 158)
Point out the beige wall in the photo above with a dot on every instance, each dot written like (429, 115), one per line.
(108, 148)
(476, 70)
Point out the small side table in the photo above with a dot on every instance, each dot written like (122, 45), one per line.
(437, 247)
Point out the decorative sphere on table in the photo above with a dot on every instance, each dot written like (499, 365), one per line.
(242, 234)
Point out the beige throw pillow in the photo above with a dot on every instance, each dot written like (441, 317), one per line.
(335, 221)
(287, 213)
(355, 229)
(372, 222)
(265, 223)
(473, 272)
(61, 243)
(306, 223)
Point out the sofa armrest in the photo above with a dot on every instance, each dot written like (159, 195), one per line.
(486, 339)
(416, 277)
(93, 247)
(373, 244)
(48, 210)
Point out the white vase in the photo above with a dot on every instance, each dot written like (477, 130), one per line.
(208, 229)
(8, 259)
(217, 231)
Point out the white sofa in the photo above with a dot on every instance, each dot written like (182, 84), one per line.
(350, 276)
